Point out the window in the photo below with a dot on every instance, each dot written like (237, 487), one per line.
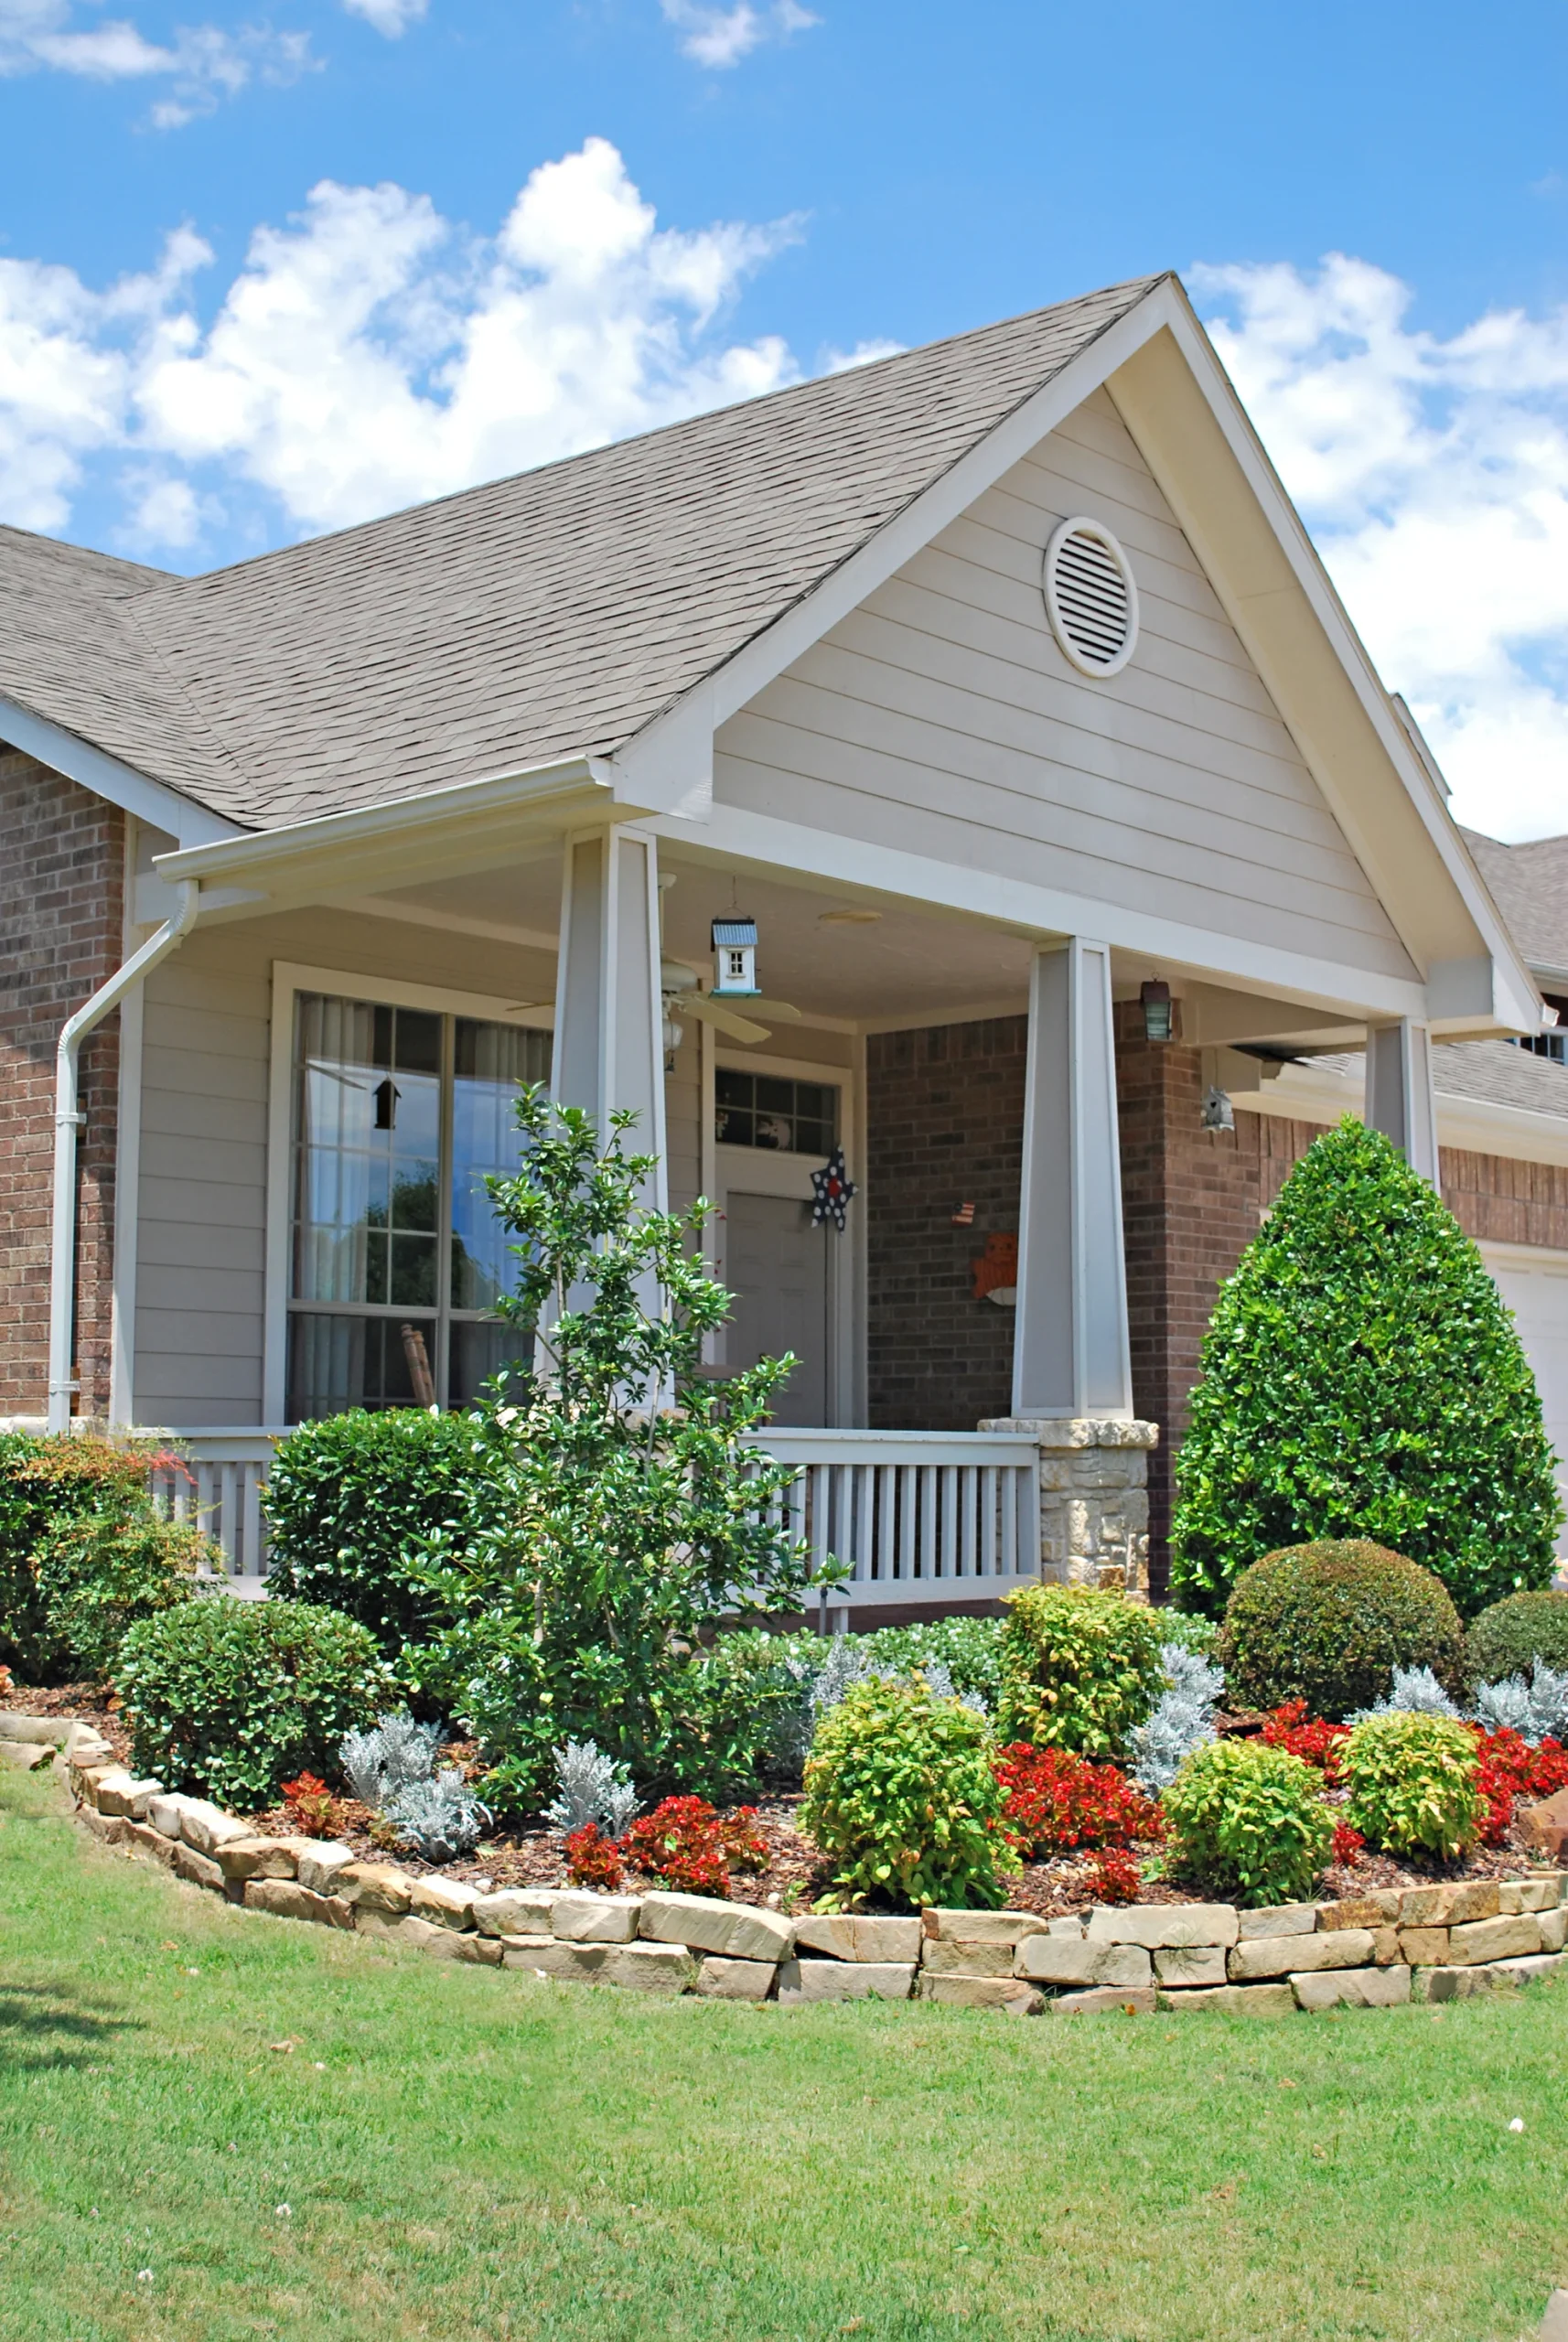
(397, 1255)
(763, 1110)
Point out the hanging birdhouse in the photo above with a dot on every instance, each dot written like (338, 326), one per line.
(734, 957)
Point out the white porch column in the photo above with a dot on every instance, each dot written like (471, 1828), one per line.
(608, 1050)
(1071, 1351)
(1399, 1100)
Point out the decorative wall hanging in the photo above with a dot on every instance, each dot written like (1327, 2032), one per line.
(995, 1272)
(833, 1187)
(964, 1216)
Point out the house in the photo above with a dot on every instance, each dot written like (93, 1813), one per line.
(963, 762)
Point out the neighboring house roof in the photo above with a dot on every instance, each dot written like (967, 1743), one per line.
(1530, 886)
(550, 614)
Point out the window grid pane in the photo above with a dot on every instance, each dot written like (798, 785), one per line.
(766, 1110)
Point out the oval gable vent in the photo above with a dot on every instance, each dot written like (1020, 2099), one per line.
(1090, 599)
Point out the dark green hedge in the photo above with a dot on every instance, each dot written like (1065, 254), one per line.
(1329, 1623)
(1362, 1378)
(1511, 1636)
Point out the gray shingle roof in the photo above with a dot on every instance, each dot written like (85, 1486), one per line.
(1492, 1072)
(554, 613)
(1530, 886)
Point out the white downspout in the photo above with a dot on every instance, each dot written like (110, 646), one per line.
(68, 1121)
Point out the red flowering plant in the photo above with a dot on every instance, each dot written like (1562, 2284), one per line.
(689, 1845)
(309, 1806)
(1346, 1845)
(1510, 1770)
(1057, 1801)
(1114, 1877)
(1316, 1742)
(591, 1859)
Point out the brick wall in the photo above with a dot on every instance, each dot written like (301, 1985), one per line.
(61, 875)
(1498, 1201)
(945, 1126)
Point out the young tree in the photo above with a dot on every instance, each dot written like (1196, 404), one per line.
(1362, 1378)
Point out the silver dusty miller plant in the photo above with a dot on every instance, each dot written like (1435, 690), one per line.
(590, 1786)
(1414, 1691)
(1183, 1719)
(440, 1817)
(1537, 1710)
(393, 1753)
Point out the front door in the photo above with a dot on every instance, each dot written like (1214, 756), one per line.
(776, 1266)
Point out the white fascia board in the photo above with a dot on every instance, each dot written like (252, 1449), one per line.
(151, 801)
(668, 767)
(310, 850)
(786, 849)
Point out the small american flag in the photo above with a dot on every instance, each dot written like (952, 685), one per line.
(964, 1216)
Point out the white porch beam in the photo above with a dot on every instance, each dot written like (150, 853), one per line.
(1070, 1349)
(609, 1046)
(1399, 1097)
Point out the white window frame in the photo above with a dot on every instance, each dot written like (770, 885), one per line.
(289, 978)
(772, 1171)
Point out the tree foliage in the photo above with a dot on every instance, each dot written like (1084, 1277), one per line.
(1362, 1378)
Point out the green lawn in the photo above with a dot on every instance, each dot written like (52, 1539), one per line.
(464, 2153)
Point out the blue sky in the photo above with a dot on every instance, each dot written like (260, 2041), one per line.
(262, 273)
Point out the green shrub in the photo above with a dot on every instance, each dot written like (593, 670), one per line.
(98, 1575)
(233, 1698)
(1415, 1785)
(1248, 1823)
(970, 1648)
(357, 1505)
(1329, 1623)
(1362, 1378)
(1080, 1668)
(901, 1798)
(1191, 1631)
(1512, 1635)
(53, 1624)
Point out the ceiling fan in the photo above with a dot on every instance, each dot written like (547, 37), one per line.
(683, 997)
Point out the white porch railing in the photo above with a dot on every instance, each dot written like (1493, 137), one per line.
(917, 1517)
(220, 1490)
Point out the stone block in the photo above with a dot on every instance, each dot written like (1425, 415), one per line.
(515, 1911)
(444, 1902)
(1386, 1949)
(25, 1755)
(1544, 1824)
(847, 1980)
(84, 1781)
(1075, 1959)
(735, 1930)
(207, 1826)
(1450, 1983)
(1065, 1926)
(1359, 1988)
(650, 1967)
(578, 1917)
(1500, 1938)
(1530, 1969)
(426, 1935)
(1424, 1947)
(148, 1841)
(1161, 1927)
(969, 1958)
(849, 1935)
(376, 1886)
(757, 1933)
(1108, 2000)
(1516, 1895)
(259, 1858)
(166, 1813)
(1283, 1920)
(1554, 2324)
(110, 1827)
(1379, 1909)
(1553, 1926)
(568, 1963)
(1449, 1906)
(1237, 2000)
(1010, 1993)
(286, 1899)
(199, 1869)
(1193, 1964)
(1283, 1955)
(320, 1859)
(1008, 1927)
(124, 1794)
(734, 1980)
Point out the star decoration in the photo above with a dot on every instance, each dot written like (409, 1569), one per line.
(833, 1189)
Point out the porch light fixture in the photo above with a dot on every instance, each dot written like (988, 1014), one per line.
(735, 955)
(1156, 996)
(1217, 1112)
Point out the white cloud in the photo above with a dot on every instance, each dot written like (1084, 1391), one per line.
(1434, 474)
(367, 356)
(720, 37)
(203, 65)
(391, 17)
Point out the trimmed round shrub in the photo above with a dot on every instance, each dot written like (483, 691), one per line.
(234, 1698)
(1362, 1378)
(1329, 1623)
(355, 1502)
(98, 1575)
(902, 1800)
(1414, 1784)
(1512, 1635)
(1248, 1823)
(1080, 1668)
(970, 1648)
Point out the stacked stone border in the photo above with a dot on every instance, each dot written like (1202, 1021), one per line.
(1380, 1950)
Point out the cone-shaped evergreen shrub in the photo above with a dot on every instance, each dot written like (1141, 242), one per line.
(1362, 1378)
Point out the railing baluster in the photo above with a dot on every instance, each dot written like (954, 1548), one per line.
(865, 1492)
(908, 1505)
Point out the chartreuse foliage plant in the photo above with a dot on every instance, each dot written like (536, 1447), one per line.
(1248, 1823)
(1362, 1378)
(902, 1799)
(1415, 1785)
(632, 1518)
(1080, 1668)
(1513, 1634)
(1329, 1623)
(232, 1699)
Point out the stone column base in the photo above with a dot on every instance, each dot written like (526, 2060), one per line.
(1094, 1500)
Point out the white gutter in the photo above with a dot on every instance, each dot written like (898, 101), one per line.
(69, 1121)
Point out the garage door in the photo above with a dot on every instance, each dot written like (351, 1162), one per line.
(1535, 1287)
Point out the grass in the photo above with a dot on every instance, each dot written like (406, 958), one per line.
(464, 2153)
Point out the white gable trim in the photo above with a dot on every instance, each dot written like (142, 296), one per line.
(64, 752)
